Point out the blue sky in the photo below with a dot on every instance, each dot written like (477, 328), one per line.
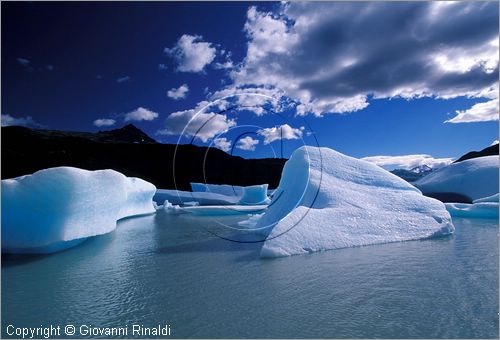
(404, 83)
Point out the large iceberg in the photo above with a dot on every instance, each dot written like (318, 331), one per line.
(473, 178)
(327, 200)
(56, 208)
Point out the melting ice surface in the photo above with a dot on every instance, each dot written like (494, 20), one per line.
(327, 200)
(57, 208)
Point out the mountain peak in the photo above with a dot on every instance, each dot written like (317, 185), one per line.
(126, 134)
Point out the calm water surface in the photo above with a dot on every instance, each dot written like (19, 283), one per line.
(167, 269)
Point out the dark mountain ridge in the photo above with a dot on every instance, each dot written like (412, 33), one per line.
(489, 151)
(133, 153)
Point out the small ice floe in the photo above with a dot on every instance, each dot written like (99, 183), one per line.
(475, 210)
(172, 209)
(213, 194)
(251, 222)
(225, 210)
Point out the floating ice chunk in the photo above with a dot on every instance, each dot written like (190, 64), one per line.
(172, 209)
(225, 210)
(477, 210)
(492, 198)
(251, 222)
(198, 187)
(139, 198)
(254, 195)
(204, 198)
(327, 200)
(223, 189)
(474, 178)
(57, 208)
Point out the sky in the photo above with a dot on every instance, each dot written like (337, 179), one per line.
(400, 84)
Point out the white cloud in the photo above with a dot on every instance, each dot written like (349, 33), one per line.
(222, 143)
(162, 67)
(247, 143)
(191, 53)
(255, 99)
(481, 112)
(8, 120)
(284, 131)
(104, 122)
(328, 62)
(196, 123)
(228, 64)
(407, 161)
(178, 93)
(141, 114)
(123, 79)
(494, 142)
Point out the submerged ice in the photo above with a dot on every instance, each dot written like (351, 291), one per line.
(327, 200)
(57, 208)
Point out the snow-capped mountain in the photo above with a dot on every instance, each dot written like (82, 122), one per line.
(413, 174)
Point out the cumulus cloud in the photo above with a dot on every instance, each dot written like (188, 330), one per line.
(258, 100)
(407, 161)
(191, 53)
(481, 112)
(123, 79)
(247, 143)
(140, 114)
(197, 123)
(228, 64)
(178, 93)
(331, 57)
(222, 143)
(284, 131)
(8, 120)
(104, 122)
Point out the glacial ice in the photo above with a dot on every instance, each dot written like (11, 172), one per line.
(474, 178)
(139, 198)
(476, 210)
(204, 198)
(327, 200)
(172, 209)
(222, 189)
(254, 195)
(56, 208)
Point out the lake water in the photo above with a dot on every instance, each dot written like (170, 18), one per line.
(164, 269)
